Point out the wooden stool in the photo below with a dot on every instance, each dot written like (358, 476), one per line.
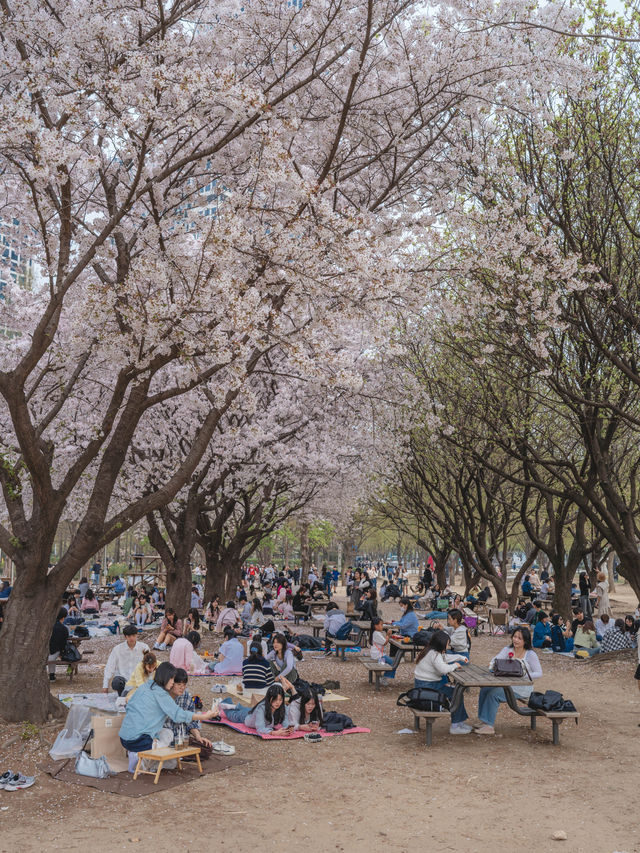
(166, 753)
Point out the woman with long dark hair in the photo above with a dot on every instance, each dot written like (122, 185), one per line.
(432, 668)
(491, 697)
(269, 714)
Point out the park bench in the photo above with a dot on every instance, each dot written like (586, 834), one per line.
(341, 647)
(429, 718)
(376, 668)
(556, 718)
(71, 665)
(298, 615)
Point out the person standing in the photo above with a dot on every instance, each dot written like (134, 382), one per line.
(602, 591)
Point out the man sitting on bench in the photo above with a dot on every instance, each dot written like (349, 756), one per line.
(57, 643)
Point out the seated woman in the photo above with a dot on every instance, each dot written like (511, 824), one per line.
(258, 618)
(267, 605)
(282, 660)
(266, 717)
(170, 630)
(144, 671)
(471, 597)
(408, 624)
(301, 600)
(585, 639)
(378, 639)
(212, 612)
(561, 639)
(73, 610)
(305, 711)
(148, 709)
(542, 632)
(184, 700)
(256, 669)
(229, 618)
(143, 613)
(491, 697)
(457, 631)
(192, 622)
(90, 603)
(432, 669)
(368, 604)
(285, 608)
(231, 654)
(184, 656)
(334, 625)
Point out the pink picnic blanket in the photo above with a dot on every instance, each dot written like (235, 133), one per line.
(245, 730)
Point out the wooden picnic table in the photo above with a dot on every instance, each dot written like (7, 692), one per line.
(322, 604)
(472, 675)
(401, 649)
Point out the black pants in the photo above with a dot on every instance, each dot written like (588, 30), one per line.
(118, 684)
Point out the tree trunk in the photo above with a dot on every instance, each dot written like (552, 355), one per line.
(24, 647)
(562, 580)
(440, 560)
(179, 583)
(304, 550)
(612, 580)
(212, 580)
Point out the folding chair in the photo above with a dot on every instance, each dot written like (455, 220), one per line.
(498, 622)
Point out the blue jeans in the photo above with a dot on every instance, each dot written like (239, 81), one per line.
(490, 699)
(435, 614)
(444, 687)
(238, 714)
(592, 652)
(389, 661)
(139, 744)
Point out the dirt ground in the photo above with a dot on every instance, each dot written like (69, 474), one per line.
(365, 792)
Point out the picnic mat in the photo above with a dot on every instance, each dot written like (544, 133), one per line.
(245, 730)
(123, 783)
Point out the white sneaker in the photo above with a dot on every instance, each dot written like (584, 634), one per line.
(19, 781)
(460, 729)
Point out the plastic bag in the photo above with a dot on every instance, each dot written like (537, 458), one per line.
(67, 745)
(73, 736)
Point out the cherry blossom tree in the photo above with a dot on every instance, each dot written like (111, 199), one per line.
(200, 184)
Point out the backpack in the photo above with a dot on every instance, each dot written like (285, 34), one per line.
(335, 722)
(550, 700)
(424, 699)
(70, 654)
(81, 631)
(423, 636)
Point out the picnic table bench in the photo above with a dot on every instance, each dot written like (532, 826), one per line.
(377, 668)
(473, 675)
(71, 665)
(300, 614)
(341, 647)
(429, 717)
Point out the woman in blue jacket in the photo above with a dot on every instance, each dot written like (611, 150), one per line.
(542, 632)
(408, 624)
(148, 709)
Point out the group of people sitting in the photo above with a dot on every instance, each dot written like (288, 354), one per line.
(582, 636)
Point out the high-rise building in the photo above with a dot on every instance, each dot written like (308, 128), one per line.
(16, 264)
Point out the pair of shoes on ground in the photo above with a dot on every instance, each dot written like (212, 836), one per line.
(160, 646)
(11, 781)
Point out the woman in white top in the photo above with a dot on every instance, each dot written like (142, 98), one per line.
(602, 591)
(491, 697)
(458, 632)
(305, 711)
(231, 655)
(432, 669)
